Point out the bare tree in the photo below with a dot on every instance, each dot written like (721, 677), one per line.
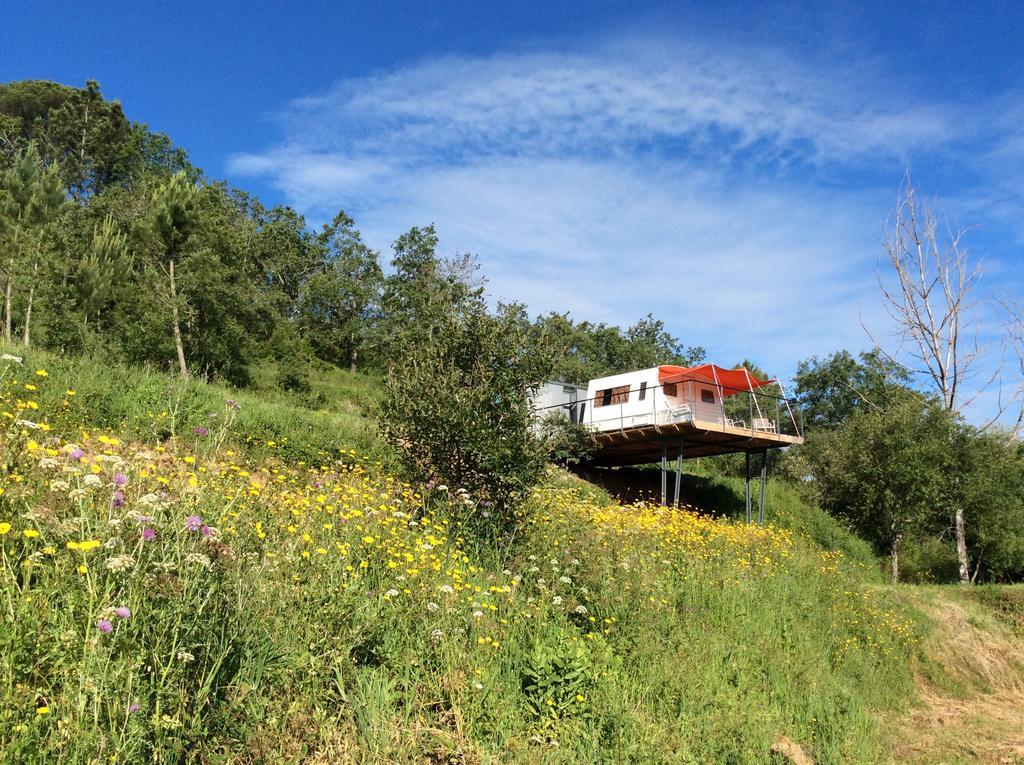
(932, 302)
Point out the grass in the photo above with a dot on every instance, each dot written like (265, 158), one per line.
(298, 604)
(153, 407)
(970, 671)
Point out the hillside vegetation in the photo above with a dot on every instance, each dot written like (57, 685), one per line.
(173, 597)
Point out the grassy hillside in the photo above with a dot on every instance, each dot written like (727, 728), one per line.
(153, 407)
(174, 599)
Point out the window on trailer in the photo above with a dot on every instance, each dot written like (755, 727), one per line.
(671, 389)
(707, 396)
(609, 396)
(643, 391)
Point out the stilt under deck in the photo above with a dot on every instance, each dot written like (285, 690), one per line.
(689, 440)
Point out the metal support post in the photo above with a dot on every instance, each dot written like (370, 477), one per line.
(764, 477)
(747, 459)
(679, 474)
(664, 471)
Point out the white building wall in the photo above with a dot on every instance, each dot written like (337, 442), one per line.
(655, 407)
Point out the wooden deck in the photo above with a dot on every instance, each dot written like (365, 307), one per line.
(640, 445)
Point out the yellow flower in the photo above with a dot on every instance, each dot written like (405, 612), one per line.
(42, 710)
(30, 533)
(82, 568)
(5, 528)
(42, 373)
(85, 545)
(368, 539)
(69, 392)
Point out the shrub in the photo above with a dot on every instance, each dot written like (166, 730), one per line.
(458, 409)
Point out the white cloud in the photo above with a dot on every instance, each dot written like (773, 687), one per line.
(690, 181)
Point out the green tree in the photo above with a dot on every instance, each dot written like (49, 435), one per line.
(339, 304)
(833, 389)
(172, 221)
(30, 197)
(99, 272)
(458, 409)
(885, 470)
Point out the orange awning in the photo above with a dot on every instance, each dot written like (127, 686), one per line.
(730, 381)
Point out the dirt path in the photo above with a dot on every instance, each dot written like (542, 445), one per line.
(972, 681)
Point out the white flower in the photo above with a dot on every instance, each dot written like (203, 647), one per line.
(48, 463)
(565, 580)
(436, 635)
(185, 657)
(391, 593)
(9, 357)
(59, 485)
(478, 614)
(478, 685)
(581, 610)
(432, 607)
(27, 424)
(119, 563)
(92, 480)
(557, 600)
(447, 589)
(199, 558)
(151, 500)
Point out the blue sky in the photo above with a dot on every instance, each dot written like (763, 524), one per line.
(608, 159)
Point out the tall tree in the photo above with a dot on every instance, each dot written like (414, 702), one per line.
(30, 197)
(172, 221)
(930, 296)
(338, 304)
(886, 470)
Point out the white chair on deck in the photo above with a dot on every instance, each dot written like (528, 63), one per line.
(764, 425)
(679, 412)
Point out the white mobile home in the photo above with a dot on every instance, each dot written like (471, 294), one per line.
(670, 394)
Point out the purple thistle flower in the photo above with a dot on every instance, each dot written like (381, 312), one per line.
(133, 708)
(118, 499)
(206, 531)
(201, 431)
(120, 479)
(77, 454)
(123, 612)
(193, 523)
(104, 626)
(148, 534)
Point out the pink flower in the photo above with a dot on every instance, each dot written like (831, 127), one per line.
(148, 534)
(104, 626)
(193, 523)
(120, 479)
(123, 612)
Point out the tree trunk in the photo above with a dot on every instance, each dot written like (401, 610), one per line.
(961, 546)
(26, 335)
(894, 554)
(175, 327)
(7, 307)
(26, 332)
(353, 354)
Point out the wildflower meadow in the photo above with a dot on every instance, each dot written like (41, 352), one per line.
(173, 600)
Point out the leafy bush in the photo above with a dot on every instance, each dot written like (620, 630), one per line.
(566, 443)
(457, 406)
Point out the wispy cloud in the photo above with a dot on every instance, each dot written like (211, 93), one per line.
(696, 182)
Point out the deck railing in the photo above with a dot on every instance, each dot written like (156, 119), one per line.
(753, 411)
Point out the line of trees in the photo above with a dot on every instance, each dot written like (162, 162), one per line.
(888, 447)
(113, 243)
